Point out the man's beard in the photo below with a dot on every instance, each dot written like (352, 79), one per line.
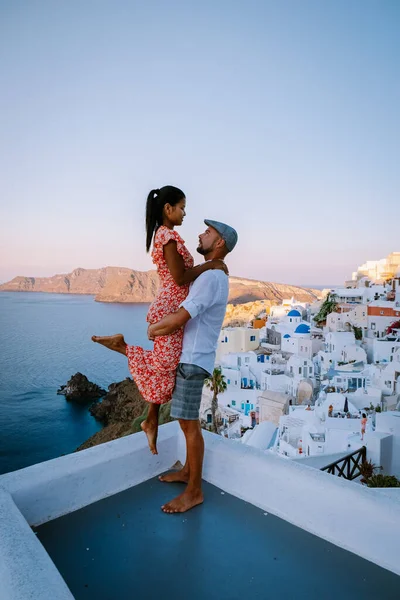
(201, 250)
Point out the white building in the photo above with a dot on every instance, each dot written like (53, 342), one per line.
(349, 296)
(378, 270)
(389, 375)
(299, 345)
(382, 314)
(288, 304)
(389, 423)
(335, 343)
(311, 431)
(237, 339)
(381, 350)
(272, 405)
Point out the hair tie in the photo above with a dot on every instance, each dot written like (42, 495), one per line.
(157, 192)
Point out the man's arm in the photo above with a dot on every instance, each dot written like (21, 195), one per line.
(169, 324)
(201, 296)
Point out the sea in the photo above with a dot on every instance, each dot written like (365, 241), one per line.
(44, 340)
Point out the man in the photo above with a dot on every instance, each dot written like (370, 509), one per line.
(202, 314)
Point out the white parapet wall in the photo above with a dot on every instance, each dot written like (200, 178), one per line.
(48, 490)
(355, 518)
(57, 487)
(349, 515)
(26, 570)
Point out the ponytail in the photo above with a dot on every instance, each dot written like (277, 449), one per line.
(156, 200)
(153, 216)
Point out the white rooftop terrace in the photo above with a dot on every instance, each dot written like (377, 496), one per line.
(360, 520)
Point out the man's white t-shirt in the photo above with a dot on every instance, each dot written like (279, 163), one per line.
(206, 304)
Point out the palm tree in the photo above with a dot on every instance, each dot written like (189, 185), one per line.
(328, 306)
(217, 384)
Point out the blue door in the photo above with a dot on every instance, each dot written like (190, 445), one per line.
(247, 409)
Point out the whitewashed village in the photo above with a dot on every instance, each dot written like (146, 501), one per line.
(300, 379)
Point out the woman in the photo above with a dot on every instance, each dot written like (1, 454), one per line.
(154, 370)
(363, 425)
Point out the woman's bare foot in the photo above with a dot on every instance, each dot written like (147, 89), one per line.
(112, 342)
(151, 430)
(181, 476)
(184, 502)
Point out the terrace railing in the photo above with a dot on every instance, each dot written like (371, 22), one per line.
(348, 466)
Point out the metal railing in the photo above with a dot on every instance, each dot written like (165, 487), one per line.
(348, 466)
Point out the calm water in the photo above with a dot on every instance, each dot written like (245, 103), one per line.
(44, 339)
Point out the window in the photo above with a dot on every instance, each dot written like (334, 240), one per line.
(382, 312)
(373, 326)
(226, 339)
(291, 369)
(251, 406)
(247, 360)
(239, 361)
(299, 370)
(242, 405)
(209, 418)
(233, 402)
(252, 338)
(229, 381)
(305, 363)
(310, 370)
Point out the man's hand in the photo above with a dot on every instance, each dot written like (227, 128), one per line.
(168, 324)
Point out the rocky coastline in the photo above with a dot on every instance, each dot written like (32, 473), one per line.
(79, 389)
(121, 410)
(123, 285)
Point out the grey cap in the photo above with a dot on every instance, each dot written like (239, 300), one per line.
(228, 234)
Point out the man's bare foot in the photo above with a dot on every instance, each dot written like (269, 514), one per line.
(184, 502)
(181, 476)
(151, 431)
(112, 342)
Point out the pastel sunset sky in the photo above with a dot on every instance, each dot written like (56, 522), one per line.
(280, 118)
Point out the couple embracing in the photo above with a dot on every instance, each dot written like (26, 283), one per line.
(185, 320)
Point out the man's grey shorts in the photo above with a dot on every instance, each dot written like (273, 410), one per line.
(186, 396)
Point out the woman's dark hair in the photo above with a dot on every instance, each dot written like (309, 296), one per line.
(156, 201)
(364, 415)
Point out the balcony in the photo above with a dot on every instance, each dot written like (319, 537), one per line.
(101, 534)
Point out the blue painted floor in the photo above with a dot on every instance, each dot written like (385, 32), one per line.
(125, 547)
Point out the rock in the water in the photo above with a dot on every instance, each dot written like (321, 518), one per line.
(80, 389)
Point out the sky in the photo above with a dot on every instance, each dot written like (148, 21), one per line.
(280, 118)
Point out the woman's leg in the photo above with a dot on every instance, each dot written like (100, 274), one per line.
(112, 342)
(150, 426)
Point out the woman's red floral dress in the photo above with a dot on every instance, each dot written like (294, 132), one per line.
(154, 370)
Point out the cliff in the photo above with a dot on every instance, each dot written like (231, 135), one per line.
(238, 315)
(119, 284)
(121, 411)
